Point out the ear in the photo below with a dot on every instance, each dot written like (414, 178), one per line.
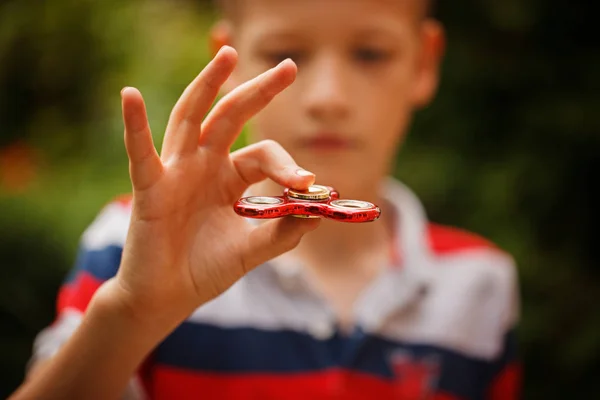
(433, 45)
(221, 34)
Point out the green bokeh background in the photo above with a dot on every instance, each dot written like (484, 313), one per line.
(509, 149)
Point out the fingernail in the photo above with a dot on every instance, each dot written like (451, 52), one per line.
(303, 172)
(221, 49)
(287, 60)
(124, 89)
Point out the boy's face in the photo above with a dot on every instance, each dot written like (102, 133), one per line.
(364, 66)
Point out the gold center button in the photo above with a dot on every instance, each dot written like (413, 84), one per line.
(314, 192)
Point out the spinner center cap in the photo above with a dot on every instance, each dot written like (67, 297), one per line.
(314, 192)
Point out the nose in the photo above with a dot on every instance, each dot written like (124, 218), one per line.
(327, 87)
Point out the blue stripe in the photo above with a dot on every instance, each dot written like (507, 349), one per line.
(201, 347)
(101, 264)
(508, 356)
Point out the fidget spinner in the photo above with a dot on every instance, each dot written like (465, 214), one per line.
(316, 202)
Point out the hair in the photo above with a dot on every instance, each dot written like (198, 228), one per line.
(229, 8)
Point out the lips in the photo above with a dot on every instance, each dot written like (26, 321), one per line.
(327, 142)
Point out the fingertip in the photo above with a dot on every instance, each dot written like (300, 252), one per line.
(134, 109)
(227, 50)
(288, 63)
(286, 71)
(291, 69)
(227, 55)
(298, 227)
(303, 226)
(304, 179)
(129, 91)
(304, 173)
(310, 224)
(131, 97)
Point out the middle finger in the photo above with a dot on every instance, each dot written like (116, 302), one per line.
(184, 124)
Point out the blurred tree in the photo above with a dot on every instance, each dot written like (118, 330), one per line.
(510, 149)
(50, 61)
(29, 281)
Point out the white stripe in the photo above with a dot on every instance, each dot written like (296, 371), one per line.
(109, 228)
(51, 339)
(469, 307)
(258, 301)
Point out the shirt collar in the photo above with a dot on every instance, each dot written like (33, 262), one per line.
(410, 225)
(410, 237)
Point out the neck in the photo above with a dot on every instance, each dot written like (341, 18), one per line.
(342, 259)
(341, 245)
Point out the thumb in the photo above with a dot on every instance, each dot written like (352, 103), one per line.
(271, 239)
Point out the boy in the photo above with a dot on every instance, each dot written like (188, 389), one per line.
(397, 308)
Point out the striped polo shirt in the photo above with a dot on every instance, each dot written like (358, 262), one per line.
(438, 323)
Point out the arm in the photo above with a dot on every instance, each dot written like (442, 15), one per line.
(100, 358)
(97, 261)
(185, 245)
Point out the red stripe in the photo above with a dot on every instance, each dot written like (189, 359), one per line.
(124, 200)
(171, 383)
(507, 384)
(445, 239)
(78, 294)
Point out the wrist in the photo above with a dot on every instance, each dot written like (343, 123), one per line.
(115, 303)
(102, 355)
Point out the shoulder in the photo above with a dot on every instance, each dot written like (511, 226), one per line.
(110, 226)
(447, 240)
(475, 288)
(453, 246)
(468, 253)
(475, 271)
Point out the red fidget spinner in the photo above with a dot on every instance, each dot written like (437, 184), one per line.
(316, 202)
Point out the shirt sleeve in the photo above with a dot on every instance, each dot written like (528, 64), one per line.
(98, 260)
(505, 382)
(505, 379)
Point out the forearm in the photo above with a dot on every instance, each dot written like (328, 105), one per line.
(100, 358)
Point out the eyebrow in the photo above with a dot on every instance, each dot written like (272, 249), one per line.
(377, 32)
(287, 34)
(383, 27)
(283, 33)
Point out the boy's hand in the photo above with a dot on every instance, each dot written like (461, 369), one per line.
(185, 243)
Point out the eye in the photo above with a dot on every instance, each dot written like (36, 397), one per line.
(371, 55)
(275, 57)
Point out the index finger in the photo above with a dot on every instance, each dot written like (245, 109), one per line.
(268, 159)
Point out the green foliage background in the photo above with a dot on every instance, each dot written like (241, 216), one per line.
(509, 149)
